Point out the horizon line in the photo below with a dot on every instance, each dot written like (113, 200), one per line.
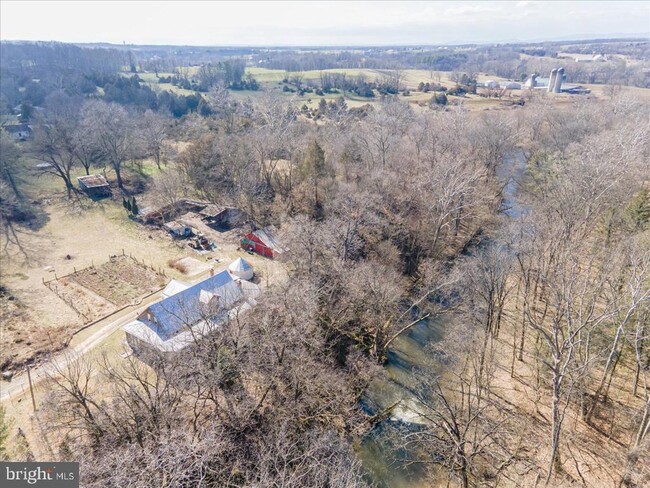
(578, 38)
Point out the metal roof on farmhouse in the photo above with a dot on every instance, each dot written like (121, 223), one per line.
(183, 309)
(173, 287)
(92, 181)
(176, 321)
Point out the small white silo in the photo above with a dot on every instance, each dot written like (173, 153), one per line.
(241, 269)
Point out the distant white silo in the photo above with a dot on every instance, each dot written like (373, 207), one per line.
(557, 88)
(551, 80)
(532, 81)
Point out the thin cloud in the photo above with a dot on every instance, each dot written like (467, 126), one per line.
(317, 23)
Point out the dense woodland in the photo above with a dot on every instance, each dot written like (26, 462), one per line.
(393, 216)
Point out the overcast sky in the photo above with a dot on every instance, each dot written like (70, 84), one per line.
(318, 23)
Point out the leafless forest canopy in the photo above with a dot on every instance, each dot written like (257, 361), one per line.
(522, 231)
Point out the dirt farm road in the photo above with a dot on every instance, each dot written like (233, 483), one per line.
(20, 383)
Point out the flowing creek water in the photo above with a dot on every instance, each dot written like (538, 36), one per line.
(410, 356)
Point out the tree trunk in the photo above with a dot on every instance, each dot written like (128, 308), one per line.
(118, 175)
(611, 376)
(68, 186)
(555, 462)
(601, 384)
(14, 186)
(459, 216)
(645, 424)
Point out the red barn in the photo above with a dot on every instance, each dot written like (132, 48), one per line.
(262, 242)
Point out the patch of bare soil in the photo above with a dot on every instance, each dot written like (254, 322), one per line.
(88, 304)
(119, 281)
(21, 336)
(226, 240)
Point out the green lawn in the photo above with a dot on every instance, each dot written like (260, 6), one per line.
(275, 75)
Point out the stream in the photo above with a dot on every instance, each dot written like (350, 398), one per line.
(410, 354)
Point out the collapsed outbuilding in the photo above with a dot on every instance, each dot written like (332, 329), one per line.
(222, 217)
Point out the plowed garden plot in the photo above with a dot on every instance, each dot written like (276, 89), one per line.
(119, 281)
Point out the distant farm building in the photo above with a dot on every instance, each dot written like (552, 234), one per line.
(242, 269)
(188, 314)
(18, 132)
(576, 90)
(95, 186)
(224, 217)
(177, 229)
(262, 242)
(555, 83)
(532, 82)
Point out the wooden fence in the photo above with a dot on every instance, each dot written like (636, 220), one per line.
(53, 285)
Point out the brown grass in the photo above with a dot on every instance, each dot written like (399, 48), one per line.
(22, 338)
(177, 265)
(582, 444)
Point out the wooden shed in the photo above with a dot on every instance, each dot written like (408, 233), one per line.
(95, 186)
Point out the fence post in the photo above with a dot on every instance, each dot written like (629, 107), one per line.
(31, 388)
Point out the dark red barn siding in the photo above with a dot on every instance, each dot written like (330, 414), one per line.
(253, 243)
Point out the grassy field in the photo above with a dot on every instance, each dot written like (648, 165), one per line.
(76, 234)
(265, 75)
(79, 233)
(271, 80)
(152, 80)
